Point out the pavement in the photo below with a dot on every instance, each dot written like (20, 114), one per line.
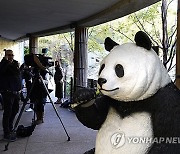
(50, 137)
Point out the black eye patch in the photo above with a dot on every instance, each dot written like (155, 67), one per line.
(102, 67)
(119, 70)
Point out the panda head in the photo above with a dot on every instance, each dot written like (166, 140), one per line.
(132, 71)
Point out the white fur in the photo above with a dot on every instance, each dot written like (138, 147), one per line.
(135, 125)
(144, 73)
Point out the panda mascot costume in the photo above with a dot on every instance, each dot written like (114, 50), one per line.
(139, 109)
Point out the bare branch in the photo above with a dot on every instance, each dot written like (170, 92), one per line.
(69, 43)
(135, 22)
(172, 57)
(171, 36)
(145, 30)
(117, 30)
(171, 51)
(157, 35)
(170, 3)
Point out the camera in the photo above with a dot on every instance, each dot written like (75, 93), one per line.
(44, 60)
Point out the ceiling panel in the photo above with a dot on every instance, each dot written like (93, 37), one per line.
(45, 17)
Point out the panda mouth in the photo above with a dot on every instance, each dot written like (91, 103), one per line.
(108, 90)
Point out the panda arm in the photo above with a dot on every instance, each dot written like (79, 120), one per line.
(164, 148)
(165, 120)
(94, 115)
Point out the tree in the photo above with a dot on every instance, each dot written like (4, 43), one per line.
(163, 36)
(153, 20)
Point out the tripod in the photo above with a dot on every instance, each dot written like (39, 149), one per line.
(38, 78)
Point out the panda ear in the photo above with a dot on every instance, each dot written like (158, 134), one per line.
(156, 49)
(143, 40)
(109, 44)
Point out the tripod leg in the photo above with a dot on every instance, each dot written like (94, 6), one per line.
(19, 115)
(34, 115)
(16, 123)
(59, 118)
(24, 105)
(55, 109)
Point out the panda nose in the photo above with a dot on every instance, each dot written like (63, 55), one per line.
(101, 81)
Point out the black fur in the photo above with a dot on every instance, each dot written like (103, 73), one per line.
(164, 108)
(143, 40)
(109, 44)
(156, 49)
(92, 151)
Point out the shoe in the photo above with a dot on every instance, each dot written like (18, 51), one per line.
(58, 101)
(29, 110)
(37, 122)
(10, 137)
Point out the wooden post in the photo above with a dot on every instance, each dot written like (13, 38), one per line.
(178, 48)
(33, 44)
(80, 58)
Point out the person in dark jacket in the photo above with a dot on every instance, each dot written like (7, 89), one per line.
(10, 86)
(58, 77)
(39, 95)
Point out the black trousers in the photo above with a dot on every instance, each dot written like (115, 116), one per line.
(38, 96)
(59, 90)
(11, 108)
(39, 104)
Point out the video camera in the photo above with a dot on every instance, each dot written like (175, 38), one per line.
(45, 61)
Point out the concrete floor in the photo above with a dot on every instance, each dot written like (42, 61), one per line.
(50, 137)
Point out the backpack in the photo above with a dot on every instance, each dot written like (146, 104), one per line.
(25, 131)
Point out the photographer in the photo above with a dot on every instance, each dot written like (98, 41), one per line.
(10, 86)
(39, 93)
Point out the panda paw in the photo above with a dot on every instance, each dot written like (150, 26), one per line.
(83, 96)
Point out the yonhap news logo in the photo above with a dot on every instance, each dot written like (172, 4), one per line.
(118, 139)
